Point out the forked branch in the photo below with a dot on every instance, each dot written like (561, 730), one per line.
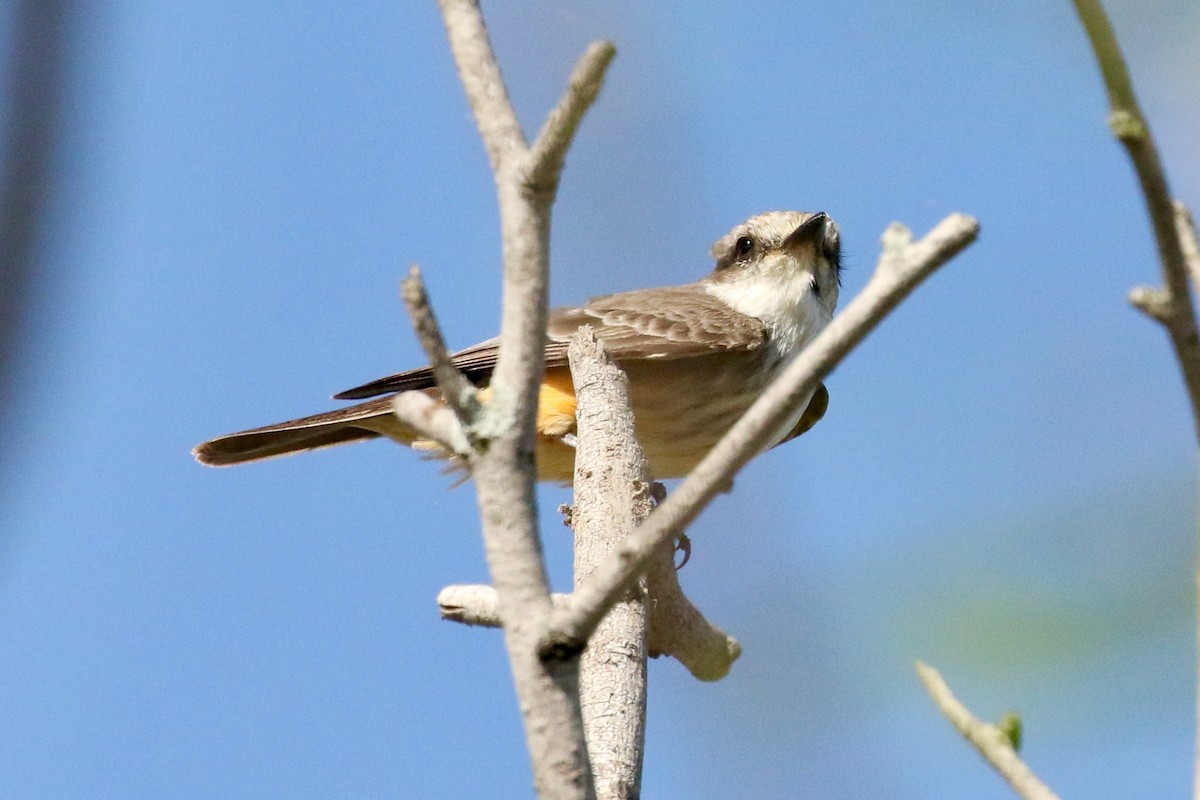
(1172, 304)
(1175, 233)
(547, 690)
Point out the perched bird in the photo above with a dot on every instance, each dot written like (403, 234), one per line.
(696, 355)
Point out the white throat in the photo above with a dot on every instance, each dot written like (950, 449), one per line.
(788, 307)
(793, 316)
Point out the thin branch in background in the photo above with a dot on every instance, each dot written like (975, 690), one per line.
(35, 103)
(903, 265)
(1186, 226)
(1173, 307)
(994, 743)
(1175, 234)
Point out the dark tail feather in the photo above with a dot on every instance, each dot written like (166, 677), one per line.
(349, 424)
(239, 448)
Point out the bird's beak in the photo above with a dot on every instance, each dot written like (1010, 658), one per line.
(811, 231)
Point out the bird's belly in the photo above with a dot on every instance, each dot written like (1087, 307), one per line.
(678, 428)
(681, 408)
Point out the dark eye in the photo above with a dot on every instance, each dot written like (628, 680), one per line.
(743, 246)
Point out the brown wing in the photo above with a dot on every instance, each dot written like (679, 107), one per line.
(476, 362)
(816, 409)
(672, 322)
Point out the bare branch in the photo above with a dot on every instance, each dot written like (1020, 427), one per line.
(1174, 231)
(679, 630)
(457, 391)
(1151, 301)
(676, 629)
(526, 193)
(897, 275)
(548, 151)
(993, 744)
(547, 689)
(611, 497)
(432, 420)
(1127, 123)
(481, 78)
(1186, 228)
(474, 604)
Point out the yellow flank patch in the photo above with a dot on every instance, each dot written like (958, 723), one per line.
(556, 404)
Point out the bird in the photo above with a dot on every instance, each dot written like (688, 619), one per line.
(696, 356)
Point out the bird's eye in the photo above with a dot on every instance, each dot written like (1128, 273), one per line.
(743, 246)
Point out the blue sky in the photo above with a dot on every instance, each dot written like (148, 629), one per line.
(1003, 486)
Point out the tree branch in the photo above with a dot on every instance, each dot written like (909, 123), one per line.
(677, 629)
(503, 470)
(993, 744)
(1173, 308)
(550, 149)
(456, 390)
(433, 420)
(1174, 232)
(480, 75)
(904, 264)
(612, 495)
(475, 604)
(1186, 228)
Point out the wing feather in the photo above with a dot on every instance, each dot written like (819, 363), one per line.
(671, 322)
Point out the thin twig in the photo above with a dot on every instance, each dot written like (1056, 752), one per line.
(896, 276)
(1186, 227)
(1175, 234)
(480, 75)
(550, 148)
(433, 420)
(456, 390)
(1174, 309)
(1153, 302)
(475, 604)
(992, 743)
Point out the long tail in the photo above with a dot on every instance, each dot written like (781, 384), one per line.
(375, 418)
(350, 424)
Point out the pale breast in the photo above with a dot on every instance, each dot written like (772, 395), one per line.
(682, 408)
